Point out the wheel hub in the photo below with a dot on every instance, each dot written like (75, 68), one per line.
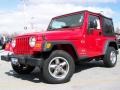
(113, 57)
(58, 67)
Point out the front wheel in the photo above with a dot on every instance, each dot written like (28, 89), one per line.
(59, 67)
(110, 58)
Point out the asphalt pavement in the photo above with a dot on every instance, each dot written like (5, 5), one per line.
(90, 76)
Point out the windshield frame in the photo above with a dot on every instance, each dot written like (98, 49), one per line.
(67, 15)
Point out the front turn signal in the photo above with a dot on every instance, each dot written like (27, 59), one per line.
(37, 45)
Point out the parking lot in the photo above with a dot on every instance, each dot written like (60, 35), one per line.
(90, 76)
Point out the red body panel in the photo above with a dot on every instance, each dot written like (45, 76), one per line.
(85, 44)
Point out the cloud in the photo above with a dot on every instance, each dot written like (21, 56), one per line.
(100, 1)
(38, 14)
(70, 1)
(11, 21)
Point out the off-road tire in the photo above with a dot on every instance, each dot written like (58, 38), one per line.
(46, 74)
(107, 59)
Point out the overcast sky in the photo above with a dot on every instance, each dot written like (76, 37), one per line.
(38, 13)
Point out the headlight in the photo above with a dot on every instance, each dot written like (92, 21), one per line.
(32, 41)
(13, 43)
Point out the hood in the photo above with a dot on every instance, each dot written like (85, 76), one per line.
(56, 34)
(30, 34)
(61, 34)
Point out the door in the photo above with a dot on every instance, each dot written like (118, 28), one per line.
(94, 36)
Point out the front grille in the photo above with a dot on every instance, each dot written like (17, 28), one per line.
(22, 45)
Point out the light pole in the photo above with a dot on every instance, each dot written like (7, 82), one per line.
(101, 12)
(32, 24)
(24, 2)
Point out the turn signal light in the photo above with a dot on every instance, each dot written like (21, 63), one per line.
(37, 45)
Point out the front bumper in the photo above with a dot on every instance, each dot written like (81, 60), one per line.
(27, 60)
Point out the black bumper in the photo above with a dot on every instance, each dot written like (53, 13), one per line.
(27, 60)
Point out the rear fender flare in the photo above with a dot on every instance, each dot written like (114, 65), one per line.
(107, 45)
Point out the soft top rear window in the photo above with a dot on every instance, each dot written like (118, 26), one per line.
(108, 28)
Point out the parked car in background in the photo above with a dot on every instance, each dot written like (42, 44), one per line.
(3, 41)
(118, 39)
(0, 45)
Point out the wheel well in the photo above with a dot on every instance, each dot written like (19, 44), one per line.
(113, 44)
(66, 47)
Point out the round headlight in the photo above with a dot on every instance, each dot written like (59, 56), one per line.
(13, 43)
(32, 41)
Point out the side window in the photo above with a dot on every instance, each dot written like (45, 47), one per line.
(94, 22)
(108, 28)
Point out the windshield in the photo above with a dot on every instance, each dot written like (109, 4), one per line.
(66, 22)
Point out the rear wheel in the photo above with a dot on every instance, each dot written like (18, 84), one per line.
(59, 67)
(22, 69)
(110, 58)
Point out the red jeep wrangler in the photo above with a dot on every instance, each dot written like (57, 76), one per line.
(73, 37)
